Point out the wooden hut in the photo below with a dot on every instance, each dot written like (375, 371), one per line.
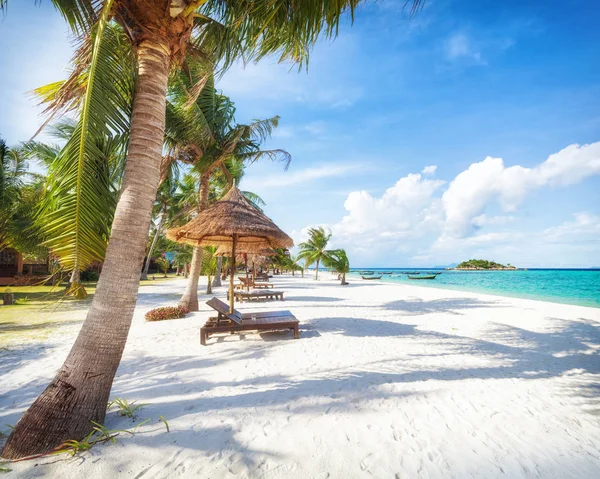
(11, 266)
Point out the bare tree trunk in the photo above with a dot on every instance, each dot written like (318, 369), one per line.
(149, 257)
(185, 270)
(190, 295)
(209, 285)
(217, 279)
(79, 392)
(74, 286)
(317, 270)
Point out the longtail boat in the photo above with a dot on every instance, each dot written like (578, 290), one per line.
(371, 277)
(428, 276)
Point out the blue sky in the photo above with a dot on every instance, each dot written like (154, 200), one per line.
(469, 130)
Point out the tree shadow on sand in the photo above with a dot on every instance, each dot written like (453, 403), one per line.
(516, 353)
(418, 306)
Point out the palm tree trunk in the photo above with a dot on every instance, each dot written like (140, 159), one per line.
(190, 295)
(217, 279)
(317, 270)
(149, 257)
(79, 392)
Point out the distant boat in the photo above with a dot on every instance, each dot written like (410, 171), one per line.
(371, 277)
(368, 272)
(428, 276)
(385, 272)
(410, 272)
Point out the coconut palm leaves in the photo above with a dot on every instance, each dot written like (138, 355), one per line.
(338, 261)
(12, 171)
(84, 177)
(315, 249)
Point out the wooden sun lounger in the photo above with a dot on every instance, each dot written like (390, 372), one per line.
(263, 294)
(227, 322)
(251, 284)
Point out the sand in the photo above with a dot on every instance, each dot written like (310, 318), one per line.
(386, 381)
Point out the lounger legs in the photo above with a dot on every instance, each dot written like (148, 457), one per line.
(202, 336)
(296, 332)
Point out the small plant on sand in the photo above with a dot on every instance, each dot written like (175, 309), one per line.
(21, 300)
(126, 408)
(3, 467)
(166, 312)
(161, 418)
(98, 434)
(163, 265)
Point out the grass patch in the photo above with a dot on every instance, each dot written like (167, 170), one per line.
(42, 310)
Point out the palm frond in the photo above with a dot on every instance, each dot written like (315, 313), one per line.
(81, 196)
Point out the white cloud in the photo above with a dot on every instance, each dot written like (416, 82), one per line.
(416, 218)
(585, 227)
(459, 46)
(429, 170)
(489, 181)
(485, 220)
(405, 209)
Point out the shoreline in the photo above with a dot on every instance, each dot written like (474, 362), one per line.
(554, 299)
(489, 293)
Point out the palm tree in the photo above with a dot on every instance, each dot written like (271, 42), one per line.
(164, 33)
(314, 250)
(167, 209)
(227, 141)
(209, 265)
(337, 260)
(294, 264)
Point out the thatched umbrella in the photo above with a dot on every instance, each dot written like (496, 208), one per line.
(231, 222)
(257, 253)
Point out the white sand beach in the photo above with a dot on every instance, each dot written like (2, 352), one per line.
(386, 381)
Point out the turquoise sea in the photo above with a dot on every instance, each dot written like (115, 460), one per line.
(570, 286)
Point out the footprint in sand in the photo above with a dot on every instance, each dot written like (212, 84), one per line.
(367, 462)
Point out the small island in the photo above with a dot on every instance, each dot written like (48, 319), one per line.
(483, 264)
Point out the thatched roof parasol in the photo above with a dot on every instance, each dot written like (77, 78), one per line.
(232, 215)
(231, 222)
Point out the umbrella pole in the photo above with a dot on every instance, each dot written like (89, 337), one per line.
(231, 293)
(246, 263)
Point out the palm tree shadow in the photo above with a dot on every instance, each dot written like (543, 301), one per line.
(418, 306)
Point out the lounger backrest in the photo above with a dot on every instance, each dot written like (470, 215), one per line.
(221, 307)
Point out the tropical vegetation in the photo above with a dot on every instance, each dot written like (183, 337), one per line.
(337, 260)
(166, 312)
(482, 264)
(314, 250)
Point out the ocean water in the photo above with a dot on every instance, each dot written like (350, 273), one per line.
(569, 286)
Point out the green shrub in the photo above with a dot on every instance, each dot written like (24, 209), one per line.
(89, 275)
(166, 312)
